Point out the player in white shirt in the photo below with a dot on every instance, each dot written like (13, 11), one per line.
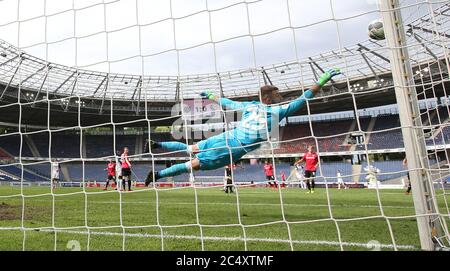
(340, 181)
(300, 174)
(372, 173)
(55, 174)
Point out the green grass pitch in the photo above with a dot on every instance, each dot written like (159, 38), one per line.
(170, 219)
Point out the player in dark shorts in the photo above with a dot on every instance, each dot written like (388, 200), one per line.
(111, 168)
(126, 169)
(271, 179)
(311, 158)
(310, 183)
(229, 179)
(268, 171)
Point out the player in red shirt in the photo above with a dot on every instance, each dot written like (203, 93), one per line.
(111, 168)
(311, 159)
(268, 171)
(126, 168)
(283, 179)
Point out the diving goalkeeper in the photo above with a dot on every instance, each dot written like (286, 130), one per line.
(214, 152)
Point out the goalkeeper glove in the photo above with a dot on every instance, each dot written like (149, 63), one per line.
(208, 95)
(327, 76)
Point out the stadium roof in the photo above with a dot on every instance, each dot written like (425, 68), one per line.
(368, 59)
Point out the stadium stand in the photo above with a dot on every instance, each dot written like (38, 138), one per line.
(99, 146)
(246, 173)
(383, 137)
(28, 175)
(386, 168)
(295, 138)
(383, 129)
(11, 144)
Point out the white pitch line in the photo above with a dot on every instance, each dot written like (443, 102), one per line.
(246, 204)
(235, 239)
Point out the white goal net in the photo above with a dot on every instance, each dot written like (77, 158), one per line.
(82, 80)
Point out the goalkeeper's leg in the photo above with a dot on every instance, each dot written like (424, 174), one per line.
(196, 164)
(170, 146)
(172, 171)
(212, 153)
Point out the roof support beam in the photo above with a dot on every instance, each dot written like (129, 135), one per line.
(38, 71)
(74, 85)
(430, 52)
(363, 55)
(42, 85)
(220, 86)
(105, 90)
(11, 59)
(65, 81)
(10, 80)
(100, 85)
(266, 77)
(139, 88)
(177, 91)
(428, 30)
(316, 76)
(373, 53)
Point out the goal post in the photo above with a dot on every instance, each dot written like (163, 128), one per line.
(429, 220)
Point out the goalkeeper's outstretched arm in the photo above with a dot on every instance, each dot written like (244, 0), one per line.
(291, 108)
(224, 102)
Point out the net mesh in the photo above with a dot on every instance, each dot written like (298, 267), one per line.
(78, 84)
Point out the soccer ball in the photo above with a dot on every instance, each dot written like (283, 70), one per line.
(376, 30)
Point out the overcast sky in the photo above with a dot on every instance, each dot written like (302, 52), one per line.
(138, 36)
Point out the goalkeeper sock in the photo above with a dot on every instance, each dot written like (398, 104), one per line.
(308, 185)
(174, 170)
(173, 146)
